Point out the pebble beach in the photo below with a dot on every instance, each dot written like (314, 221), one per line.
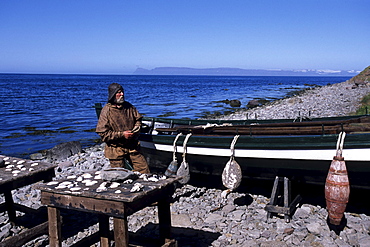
(340, 99)
(201, 216)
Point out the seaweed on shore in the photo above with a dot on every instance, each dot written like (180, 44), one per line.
(298, 92)
(14, 135)
(214, 114)
(168, 114)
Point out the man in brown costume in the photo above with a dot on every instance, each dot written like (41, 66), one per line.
(118, 126)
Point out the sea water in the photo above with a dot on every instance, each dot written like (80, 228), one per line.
(41, 111)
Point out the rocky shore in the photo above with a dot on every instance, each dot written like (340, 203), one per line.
(339, 99)
(201, 216)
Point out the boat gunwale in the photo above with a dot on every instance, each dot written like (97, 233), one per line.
(361, 140)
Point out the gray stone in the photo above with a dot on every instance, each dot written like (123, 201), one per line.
(235, 103)
(300, 213)
(300, 233)
(63, 151)
(249, 242)
(253, 103)
(255, 234)
(307, 208)
(212, 218)
(273, 244)
(237, 215)
(280, 226)
(366, 224)
(36, 156)
(181, 220)
(117, 174)
(364, 241)
(5, 231)
(65, 164)
(266, 234)
(314, 228)
(352, 239)
(341, 243)
(228, 208)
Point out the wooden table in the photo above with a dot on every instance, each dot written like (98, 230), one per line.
(16, 173)
(82, 193)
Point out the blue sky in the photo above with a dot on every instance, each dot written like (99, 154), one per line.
(116, 37)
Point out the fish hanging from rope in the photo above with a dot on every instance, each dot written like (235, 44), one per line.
(172, 168)
(232, 173)
(183, 170)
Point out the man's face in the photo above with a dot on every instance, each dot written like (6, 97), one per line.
(120, 97)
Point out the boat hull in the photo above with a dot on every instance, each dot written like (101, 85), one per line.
(263, 158)
(305, 158)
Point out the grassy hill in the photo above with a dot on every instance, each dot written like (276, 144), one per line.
(363, 78)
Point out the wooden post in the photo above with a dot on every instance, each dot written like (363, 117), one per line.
(9, 203)
(120, 232)
(289, 205)
(25, 236)
(164, 218)
(55, 229)
(287, 197)
(274, 194)
(104, 230)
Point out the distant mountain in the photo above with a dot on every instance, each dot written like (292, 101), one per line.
(242, 72)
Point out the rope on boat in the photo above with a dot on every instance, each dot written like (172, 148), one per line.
(232, 146)
(175, 147)
(172, 168)
(183, 170)
(185, 147)
(232, 173)
(340, 143)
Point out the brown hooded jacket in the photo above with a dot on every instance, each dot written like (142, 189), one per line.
(113, 121)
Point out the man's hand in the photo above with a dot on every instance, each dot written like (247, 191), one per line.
(128, 134)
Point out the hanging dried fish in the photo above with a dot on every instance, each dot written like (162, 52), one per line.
(232, 173)
(172, 168)
(183, 170)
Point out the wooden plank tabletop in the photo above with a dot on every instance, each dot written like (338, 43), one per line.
(17, 172)
(90, 185)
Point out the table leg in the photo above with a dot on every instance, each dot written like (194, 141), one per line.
(55, 229)
(120, 232)
(104, 230)
(164, 218)
(9, 203)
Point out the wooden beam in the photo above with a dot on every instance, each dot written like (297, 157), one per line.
(104, 230)
(55, 228)
(25, 236)
(9, 205)
(110, 208)
(121, 237)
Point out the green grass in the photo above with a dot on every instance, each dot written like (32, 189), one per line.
(365, 107)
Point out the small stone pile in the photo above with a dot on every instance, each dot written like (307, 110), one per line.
(201, 217)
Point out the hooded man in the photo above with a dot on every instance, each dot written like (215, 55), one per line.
(118, 126)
